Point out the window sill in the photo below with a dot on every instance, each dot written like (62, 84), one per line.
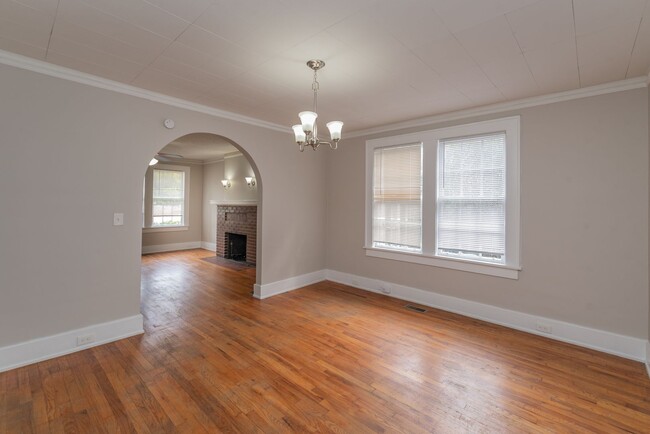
(504, 271)
(165, 229)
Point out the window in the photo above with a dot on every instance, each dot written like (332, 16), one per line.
(471, 203)
(168, 198)
(165, 198)
(397, 197)
(447, 197)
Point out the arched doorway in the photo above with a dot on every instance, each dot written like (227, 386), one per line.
(191, 184)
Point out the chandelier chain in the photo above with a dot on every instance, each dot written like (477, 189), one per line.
(315, 87)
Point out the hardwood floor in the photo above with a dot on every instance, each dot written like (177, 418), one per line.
(325, 358)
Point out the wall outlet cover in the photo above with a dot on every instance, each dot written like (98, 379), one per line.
(85, 339)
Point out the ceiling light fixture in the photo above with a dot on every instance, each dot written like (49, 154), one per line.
(153, 162)
(306, 133)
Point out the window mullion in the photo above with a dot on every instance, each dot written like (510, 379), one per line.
(429, 170)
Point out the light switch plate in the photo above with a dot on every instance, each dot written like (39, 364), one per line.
(118, 219)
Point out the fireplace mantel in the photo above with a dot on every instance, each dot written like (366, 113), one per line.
(234, 202)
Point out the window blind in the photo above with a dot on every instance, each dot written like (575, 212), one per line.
(397, 197)
(471, 208)
(168, 197)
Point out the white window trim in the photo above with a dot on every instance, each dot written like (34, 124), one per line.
(510, 269)
(148, 228)
(165, 229)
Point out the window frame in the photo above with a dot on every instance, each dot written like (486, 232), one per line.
(148, 199)
(430, 151)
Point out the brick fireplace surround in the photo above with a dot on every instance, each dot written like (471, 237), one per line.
(238, 219)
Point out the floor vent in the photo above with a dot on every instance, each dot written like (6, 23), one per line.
(415, 308)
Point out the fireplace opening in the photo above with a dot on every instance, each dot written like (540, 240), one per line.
(235, 247)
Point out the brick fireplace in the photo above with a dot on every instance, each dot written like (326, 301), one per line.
(239, 220)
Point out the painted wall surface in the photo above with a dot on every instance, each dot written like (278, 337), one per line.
(233, 169)
(195, 215)
(584, 217)
(212, 190)
(72, 155)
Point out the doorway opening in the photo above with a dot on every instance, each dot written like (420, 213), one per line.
(197, 189)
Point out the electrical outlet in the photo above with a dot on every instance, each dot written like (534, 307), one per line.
(544, 328)
(85, 339)
(385, 289)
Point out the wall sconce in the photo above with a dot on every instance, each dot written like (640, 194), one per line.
(226, 183)
(250, 181)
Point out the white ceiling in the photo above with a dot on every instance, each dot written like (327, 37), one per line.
(200, 147)
(387, 60)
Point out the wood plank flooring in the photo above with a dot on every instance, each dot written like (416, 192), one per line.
(325, 358)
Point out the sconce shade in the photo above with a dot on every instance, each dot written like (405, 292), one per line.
(225, 183)
(300, 134)
(250, 181)
(335, 128)
(308, 119)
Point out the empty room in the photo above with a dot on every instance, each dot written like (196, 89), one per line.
(265, 216)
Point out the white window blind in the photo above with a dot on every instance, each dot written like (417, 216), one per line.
(471, 200)
(168, 198)
(397, 197)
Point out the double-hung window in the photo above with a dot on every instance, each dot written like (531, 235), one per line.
(166, 198)
(397, 197)
(447, 197)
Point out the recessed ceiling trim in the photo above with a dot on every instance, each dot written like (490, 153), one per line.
(601, 89)
(233, 155)
(29, 64)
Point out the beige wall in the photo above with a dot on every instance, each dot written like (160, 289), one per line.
(195, 221)
(212, 190)
(584, 217)
(72, 155)
(234, 169)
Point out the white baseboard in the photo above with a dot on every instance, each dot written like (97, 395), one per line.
(612, 343)
(159, 248)
(36, 350)
(281, 286)
(209, 246)
(647, 357)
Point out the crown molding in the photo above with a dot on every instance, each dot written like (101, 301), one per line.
(52, 70)
(216, 160)
(601, 89)
(232, 155)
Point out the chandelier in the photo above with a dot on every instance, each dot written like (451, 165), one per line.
(307, 133)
